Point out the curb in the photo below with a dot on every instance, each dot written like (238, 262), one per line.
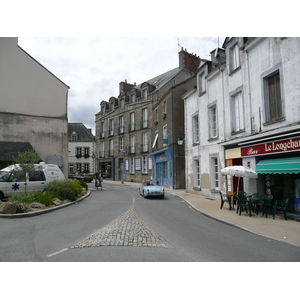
(44, 211)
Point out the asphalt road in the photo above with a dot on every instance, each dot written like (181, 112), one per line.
(118, 225)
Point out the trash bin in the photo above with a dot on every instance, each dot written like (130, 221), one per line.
(297, 205)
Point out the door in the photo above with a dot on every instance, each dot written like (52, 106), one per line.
(121, 170)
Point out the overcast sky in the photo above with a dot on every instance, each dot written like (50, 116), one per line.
(93, 67)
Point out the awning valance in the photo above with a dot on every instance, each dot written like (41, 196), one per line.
(279, 166)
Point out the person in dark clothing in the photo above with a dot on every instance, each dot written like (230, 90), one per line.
(98, 180)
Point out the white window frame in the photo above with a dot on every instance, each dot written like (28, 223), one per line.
(132, 143)
(145, 117)
(131, 165)
(195, 128)
(234, 59)
(213, 120)
(144, 94)
(197, 173)
(214, 172)
(201, 83)
(132, 120)
(145, 141)
(144, 164)
(237, 107)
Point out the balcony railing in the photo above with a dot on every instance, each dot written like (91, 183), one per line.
(121, 130)
(102, 135)
(110, 132)
(144, 124)
(131, 127)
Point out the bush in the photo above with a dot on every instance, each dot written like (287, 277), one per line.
(76, 186)
(22, 207)
(83, 184)
(62, 190)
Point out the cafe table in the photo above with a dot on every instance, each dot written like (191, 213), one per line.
(254, 200)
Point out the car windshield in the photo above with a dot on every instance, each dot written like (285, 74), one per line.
(4, 176)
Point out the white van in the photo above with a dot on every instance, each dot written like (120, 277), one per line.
(36, 181)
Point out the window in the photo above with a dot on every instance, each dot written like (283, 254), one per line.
(111, 127)
(121, 143)
(71, 168)
(155, 142)
(74, 137)
(102, 154)
(197, 173)
(122, 103)
(195, 124)
(145, 118)
(78, 167)
(111, 147)
(112, 106)
(78, 151)
(102, 135)
(86, 152)
(201, 83)
(131, 165)
(238, 112)
(144, 164)
(214, 174)
(213, 131)
(121, 124)
(144, 147)
(164, 107)
(86, 167)
(37, 176)
(234, 57)
(272, 93)
(131, 125)
(165, 135)
(144, 94)
(132, 144)
(132, 98)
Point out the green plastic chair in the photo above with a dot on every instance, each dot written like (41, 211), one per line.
(280, 205)
(254, 205)
(242, 204)
(267, 204)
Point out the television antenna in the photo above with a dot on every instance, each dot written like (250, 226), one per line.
(178, 43)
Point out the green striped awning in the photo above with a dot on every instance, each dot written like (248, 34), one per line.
(279, 166)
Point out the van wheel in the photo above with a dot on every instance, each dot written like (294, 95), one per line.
(1, 196)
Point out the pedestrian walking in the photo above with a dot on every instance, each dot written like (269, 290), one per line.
(98, 180)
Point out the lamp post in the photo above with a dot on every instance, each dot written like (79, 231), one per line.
(180, 141)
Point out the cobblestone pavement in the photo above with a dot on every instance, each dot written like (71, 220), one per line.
(127, 230)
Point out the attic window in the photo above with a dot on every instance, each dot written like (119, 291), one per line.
(144, 94)
(74, 137)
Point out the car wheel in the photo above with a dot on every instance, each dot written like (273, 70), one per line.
(144, 194)
(162, 196)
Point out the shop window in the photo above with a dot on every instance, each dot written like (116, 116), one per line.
(201, 83)
(37, 176)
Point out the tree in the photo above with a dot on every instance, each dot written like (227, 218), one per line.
(24, 165)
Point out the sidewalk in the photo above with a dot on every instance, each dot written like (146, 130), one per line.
(280, 229)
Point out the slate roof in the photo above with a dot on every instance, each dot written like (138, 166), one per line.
(84, 134)
(9, 150)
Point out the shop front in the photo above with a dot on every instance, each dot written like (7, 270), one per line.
(163, 166)
(277, 163)
(106, 168)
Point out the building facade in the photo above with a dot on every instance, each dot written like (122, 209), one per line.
(81, 149)
(33, 105)
(248, 115)
(136, 132)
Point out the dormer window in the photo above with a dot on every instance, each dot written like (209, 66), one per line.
(132, 98)
(144, 94)
(74, 137)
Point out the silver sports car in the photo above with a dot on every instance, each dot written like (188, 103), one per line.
(150, 190)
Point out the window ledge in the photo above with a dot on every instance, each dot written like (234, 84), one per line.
(274, 121)
(235, 70)
(237, 132)
(213, 138)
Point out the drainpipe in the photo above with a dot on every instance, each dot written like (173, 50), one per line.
(249, 93)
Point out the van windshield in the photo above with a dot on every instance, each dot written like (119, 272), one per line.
(4, 176)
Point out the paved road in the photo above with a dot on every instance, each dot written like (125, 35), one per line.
(117, 224)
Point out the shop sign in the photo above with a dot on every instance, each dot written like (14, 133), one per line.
(292, 144)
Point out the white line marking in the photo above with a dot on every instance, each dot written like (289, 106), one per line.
(58, 252)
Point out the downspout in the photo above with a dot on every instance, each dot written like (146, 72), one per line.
(249, 94)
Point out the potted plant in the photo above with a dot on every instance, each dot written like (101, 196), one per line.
(163, 115)
(155, 122)
(86, 155)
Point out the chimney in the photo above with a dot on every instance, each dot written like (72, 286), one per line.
(188, 61)
(124, 86)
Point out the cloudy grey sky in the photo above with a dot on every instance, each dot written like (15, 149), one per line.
(94, 66)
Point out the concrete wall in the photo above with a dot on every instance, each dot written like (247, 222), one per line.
(33, 103)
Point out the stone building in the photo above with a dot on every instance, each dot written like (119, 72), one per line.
(33, 105)
(137, 132)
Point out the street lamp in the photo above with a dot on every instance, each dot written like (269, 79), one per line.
(180, 141)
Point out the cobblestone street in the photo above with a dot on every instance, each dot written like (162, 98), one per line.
(127, 230)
